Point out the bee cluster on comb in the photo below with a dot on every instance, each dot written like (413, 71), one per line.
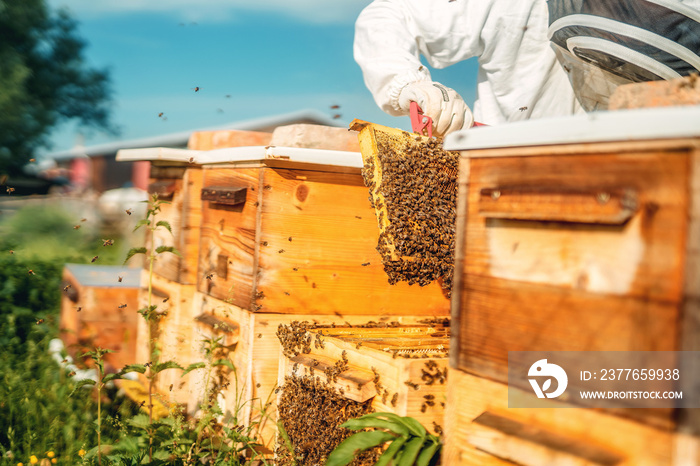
(311, 412)
(413, 188)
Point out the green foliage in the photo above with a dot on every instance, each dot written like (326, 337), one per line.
(409, 443)
(44, 80)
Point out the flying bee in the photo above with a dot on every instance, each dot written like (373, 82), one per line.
(522, 109)
(120, 279)
(79, 309)
(67, 287)
(10, 190)
(11, 251)
(40, 321)
(336, 116)
(148, 364)
(76, 227)
(71, 373)
(209, 276)
(281, 251)
(335, 107)
(142, 403)
(171, 388)
(122, 306)
(166, 300)
(228, 96)
(30, 272)
(191, 160)
(365, 264)
(83, 220)
(128, 211)
(196, 89)
(65, 360)
(160, 114)
(32, 160)
(107, 242)
(94, 258)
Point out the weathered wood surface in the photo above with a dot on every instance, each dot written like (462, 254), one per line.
(581, 284)
(480, 429)
(662, 93)
(315, 137)
(303, 242)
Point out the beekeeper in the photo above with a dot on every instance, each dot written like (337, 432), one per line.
(520, 75)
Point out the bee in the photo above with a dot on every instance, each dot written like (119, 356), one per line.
(32, 160)
(71, 373)
(40, 321)
(128, 211)
(335, 107)
(171, 388)
(76, 227)
(122, 306)
(209, 276)
(65, 360)
(79, 309)
(421, 68)
(287, 293)
(107, 242)
(166, 299)
(196, 89)
(281, 251)
(394, 399)
(365, 264)
(228, 96)
(30, 272)
(522, 109)
(336, 116)
(160, 114)
(11, 251)
(295, 269)
(10, 190)
(290, 239)
(66, 288)
(358, 217)
(83, 220)
(120, 279)
(259, 335)
(148, 364)
(142, 403)
(94, 258)
(191, 160)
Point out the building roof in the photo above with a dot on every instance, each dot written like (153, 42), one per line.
(179, 139)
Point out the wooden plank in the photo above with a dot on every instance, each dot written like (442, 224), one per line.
(229, 236)
(583, 430)
(318, 251)
(642, 258)
(662, 93)
(183, 212)
(355, 382)
(209, 140)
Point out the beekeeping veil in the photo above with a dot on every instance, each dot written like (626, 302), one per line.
(605, 43)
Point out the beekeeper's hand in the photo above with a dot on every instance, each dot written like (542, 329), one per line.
(442, 104)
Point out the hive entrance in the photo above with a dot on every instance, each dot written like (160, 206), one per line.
(413, 189)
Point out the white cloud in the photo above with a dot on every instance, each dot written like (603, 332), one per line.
(312, 11)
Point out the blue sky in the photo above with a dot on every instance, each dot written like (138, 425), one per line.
(270, 57)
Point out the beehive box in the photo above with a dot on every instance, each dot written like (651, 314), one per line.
(291, 230)
(177, 180)
(251, 344)
(98, 306)
(576, 234)
(383, 367)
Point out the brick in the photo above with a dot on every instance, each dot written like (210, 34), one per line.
(315, 137)
(682, 91)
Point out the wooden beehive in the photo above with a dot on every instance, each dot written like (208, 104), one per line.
(575, 234)
(177, 180)
(98, 309)
(395, 368)
(251, 345)
(290, 230)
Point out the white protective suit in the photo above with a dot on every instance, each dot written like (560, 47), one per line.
(519, 75)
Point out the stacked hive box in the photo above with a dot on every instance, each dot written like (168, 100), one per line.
(383, 367)
(287, 233)
(578, 234)
(98, 310)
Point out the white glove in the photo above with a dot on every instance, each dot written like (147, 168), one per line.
(442, 104)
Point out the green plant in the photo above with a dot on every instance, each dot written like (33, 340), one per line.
(408, 442)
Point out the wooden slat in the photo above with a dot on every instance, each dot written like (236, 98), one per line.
(466, 440)
(355, 382)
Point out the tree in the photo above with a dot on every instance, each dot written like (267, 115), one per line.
(43, 80)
